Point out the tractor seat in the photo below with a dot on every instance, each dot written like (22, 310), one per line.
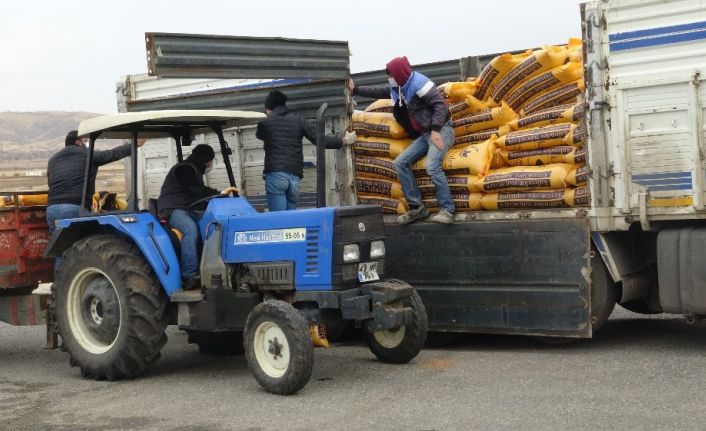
(175, 235)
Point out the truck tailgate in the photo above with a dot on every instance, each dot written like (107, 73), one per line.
(510, 277)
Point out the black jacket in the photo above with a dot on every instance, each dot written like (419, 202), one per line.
(430, 110)
(183, 186)
(282, 131)
(65, 172)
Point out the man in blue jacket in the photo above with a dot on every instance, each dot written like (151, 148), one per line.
(422, 112)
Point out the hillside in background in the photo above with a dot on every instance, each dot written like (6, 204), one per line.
(36, 135)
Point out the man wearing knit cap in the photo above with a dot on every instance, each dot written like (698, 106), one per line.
(282, 132)
(183, 186)
(421, 111)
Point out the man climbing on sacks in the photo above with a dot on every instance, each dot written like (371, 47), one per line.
(421, 111)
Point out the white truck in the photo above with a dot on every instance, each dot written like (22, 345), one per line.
(543, 272)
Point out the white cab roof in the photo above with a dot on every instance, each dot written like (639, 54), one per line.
(117, 126)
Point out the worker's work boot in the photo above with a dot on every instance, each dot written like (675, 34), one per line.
(413, 215)
(193, 283)
(443, 217)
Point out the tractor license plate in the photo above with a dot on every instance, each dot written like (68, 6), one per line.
(368, 271)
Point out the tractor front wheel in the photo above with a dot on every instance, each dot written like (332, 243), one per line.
(278, 347)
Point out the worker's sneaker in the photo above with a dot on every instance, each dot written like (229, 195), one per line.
(443, 216)
(193, 283)
(413, 215)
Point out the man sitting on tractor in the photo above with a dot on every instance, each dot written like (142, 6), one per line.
(182, 187)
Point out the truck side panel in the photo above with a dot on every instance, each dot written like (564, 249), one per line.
(656, 52)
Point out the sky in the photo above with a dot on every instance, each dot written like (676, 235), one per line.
(67, 55)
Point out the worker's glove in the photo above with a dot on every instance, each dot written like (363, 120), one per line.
(349, 138)
(230, 191)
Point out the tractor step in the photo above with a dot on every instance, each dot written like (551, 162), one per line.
(187, 296)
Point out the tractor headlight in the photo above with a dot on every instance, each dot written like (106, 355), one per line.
(377, 249)
(351, 253)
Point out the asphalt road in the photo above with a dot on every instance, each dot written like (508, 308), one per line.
(640, 372)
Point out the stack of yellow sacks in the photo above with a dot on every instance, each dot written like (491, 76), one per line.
(519, 138)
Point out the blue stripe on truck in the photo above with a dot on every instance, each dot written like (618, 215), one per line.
(664, 181)
(657, 36)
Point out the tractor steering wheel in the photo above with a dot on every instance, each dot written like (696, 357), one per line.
(206, 199)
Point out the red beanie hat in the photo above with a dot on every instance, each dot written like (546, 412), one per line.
(400, 69)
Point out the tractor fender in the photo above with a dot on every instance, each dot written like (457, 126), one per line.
(142, 228)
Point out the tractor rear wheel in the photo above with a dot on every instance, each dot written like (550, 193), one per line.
(278, 347)
(109, 308)
(401, 345)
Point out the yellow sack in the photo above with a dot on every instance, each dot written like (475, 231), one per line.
(459, 90)
(377, 186)
(556, 114)
(524, 200)
(539, 137)
(470, 105)
(107, 201)
(375, 167)
(578, 197)
(487, 119)
(462, 202)
(457, 184)
(24, 200)
(473, 159)
(496, 70)
(380, 147)
(576, 136)
(579, 175)
(483, 135)
(544, 156)
(377, 124)
(380, 105)
(564, 94)
(521, 178)
(575, 47)
(389, 205)
(547, 81)
(540, 61)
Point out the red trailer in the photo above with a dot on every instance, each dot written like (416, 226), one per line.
(23, 236)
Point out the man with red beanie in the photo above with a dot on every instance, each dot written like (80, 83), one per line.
(421, 111)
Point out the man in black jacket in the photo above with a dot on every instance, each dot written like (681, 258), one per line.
(183, 186)
(65, 174)
(282, 131)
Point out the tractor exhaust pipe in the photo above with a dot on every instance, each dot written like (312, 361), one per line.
(321, 157)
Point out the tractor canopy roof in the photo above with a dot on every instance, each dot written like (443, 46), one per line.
(159, 124)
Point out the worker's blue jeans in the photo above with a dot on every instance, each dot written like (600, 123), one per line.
(419, 148)
(188, 224)
(282, 189)
(60, 212)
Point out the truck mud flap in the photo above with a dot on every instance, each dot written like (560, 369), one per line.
(507, 277)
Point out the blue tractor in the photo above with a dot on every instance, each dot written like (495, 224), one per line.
(271, 281)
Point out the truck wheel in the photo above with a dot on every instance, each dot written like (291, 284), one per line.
(640, 306)
(604, 293)
(109, 308)
(278, 347)
(401, 345)
(217, 343)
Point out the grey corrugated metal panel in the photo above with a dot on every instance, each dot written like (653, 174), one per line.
(439, 72)
(304, 99)
(209, 56)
